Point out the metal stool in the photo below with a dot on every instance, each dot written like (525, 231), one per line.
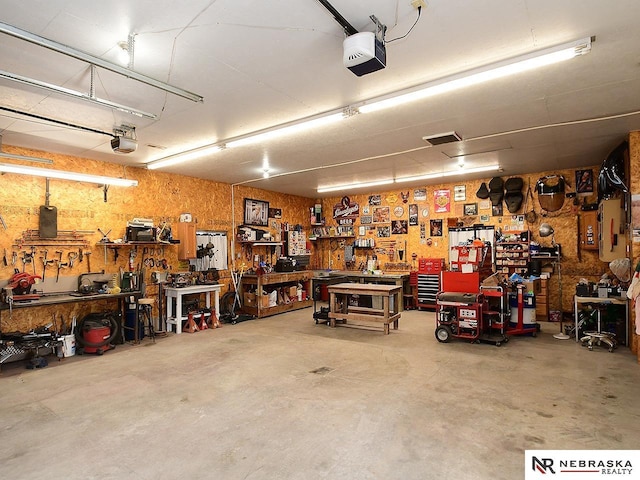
(145, 307)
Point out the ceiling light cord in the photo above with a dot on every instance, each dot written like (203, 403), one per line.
(407, 34)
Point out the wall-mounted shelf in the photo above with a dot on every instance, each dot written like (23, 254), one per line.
(258, 243)
(331, 237)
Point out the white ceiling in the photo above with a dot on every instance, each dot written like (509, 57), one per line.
(260, 64)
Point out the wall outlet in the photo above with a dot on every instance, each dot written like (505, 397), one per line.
(418, 3)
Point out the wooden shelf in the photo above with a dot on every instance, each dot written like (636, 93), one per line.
(132, 244)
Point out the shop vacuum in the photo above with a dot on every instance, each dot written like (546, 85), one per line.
(96, 332)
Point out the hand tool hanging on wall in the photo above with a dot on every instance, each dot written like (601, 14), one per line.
(45, 263)
(72, 258)
(61, 265)
(33, 258)
(4, 225)
(59, 262)
(88, 255)
(48, 227)
(26, 258)
(116, 254)
(4, 259)
(14, 257)
(80, 255)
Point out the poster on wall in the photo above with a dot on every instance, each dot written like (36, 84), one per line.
(399, 227)
(375, 200)
(635, 217)
(442, 201)
(384, 232)
(275, 213)
(346, 211)
(419, 194)
(471, 209)
(496, 210)
(256, 212)
(381, 215)
(413, 214)
(460, 193)
(584, 182)
(436, 227)
(366, 219)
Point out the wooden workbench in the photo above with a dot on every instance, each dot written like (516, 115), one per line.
(340, 308)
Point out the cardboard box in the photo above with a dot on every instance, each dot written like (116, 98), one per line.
(263, 301)
(293, 293)
(533, 286)
(250, 299)
(494, 280)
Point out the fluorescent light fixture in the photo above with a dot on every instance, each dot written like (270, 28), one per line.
(483, 74)
(450, 173)
(61, 174)
(288, 129)
(351, 186)
(184, 157)
(263, 136)
(97, 61)
(73, 93)
(26, 158)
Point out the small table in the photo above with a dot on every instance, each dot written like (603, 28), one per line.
(601, 300)
(389, 313)
(179, 292)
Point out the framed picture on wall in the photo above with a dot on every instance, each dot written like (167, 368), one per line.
(256, 212)
(471, 209)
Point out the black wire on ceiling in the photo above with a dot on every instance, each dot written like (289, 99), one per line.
(406, 34)
(58, 122)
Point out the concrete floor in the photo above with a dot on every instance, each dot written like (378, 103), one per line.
(283, 398)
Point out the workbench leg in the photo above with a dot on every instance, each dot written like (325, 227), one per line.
(332, 309)
(386, 329)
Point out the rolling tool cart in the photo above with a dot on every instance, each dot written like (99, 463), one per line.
(496, 314)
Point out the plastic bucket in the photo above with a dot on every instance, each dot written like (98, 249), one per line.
(68, 345)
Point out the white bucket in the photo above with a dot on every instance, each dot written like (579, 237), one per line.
(68, 345)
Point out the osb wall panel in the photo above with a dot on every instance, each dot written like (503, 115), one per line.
(295, 211)
(634, 161)
(81, 206)
(575, 265)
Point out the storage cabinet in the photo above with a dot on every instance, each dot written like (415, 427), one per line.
(187, 236)
(542, 302)
(589, 230)
(612, 238)
(258, 305)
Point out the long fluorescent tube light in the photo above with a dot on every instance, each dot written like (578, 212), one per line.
(262, 136)
(73, 93)
(13, 156)
(97, 61)
(61, 174)
(450, 173)
(288, 129)
(184, 156)
(351, 186)
(483, 74)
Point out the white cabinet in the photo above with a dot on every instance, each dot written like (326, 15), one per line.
(612, 235)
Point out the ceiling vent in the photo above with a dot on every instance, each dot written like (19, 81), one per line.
(442, 138)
